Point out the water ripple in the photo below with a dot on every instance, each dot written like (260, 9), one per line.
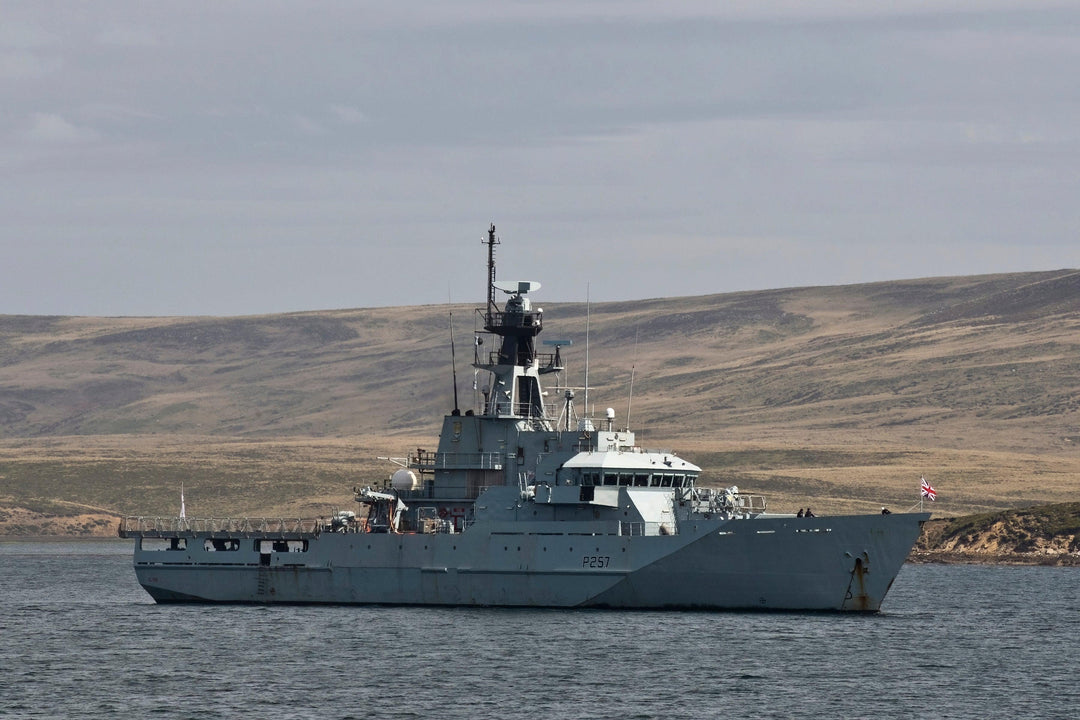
(81, 639)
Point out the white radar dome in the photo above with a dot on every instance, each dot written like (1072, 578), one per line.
(404, 479)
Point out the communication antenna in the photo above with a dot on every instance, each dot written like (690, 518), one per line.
(586, 349)
(453, 364)
(633, 366)
(556, 359)
(492, 241)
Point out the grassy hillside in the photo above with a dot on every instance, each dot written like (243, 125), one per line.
(834, 397)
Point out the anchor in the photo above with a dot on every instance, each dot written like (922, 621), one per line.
(856, 593)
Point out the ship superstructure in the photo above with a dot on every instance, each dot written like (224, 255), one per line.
(524, 503)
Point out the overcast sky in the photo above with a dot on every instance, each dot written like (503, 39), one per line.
(231, 158)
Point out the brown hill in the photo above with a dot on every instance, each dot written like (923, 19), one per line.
(834, 397)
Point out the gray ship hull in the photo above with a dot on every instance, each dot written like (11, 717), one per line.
(844, 563)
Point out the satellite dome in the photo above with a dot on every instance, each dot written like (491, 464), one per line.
(404, 479)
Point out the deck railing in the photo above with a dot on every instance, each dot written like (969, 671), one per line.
(151, 526)
(429, 460)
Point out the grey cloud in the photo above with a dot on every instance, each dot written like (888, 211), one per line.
(255, 157)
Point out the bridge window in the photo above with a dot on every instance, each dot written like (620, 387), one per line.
(611, 479)
(641, 480)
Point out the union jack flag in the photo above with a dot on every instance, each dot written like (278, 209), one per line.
(928, 491)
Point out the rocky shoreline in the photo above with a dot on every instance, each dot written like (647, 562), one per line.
(1038, 535)
(943, 557)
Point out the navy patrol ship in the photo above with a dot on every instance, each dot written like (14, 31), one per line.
(526, 504)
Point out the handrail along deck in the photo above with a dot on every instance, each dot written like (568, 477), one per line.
(157, 526)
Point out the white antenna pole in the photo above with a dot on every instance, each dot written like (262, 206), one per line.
(587, 308)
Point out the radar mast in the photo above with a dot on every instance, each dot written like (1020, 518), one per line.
(515, 384)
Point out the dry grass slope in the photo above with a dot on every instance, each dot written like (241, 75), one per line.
(833, 397)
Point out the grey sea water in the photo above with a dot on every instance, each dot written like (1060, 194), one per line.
(80, 639)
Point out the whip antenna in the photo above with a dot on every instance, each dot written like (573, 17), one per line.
(633, 366)
(586, 350)
(453, 363)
